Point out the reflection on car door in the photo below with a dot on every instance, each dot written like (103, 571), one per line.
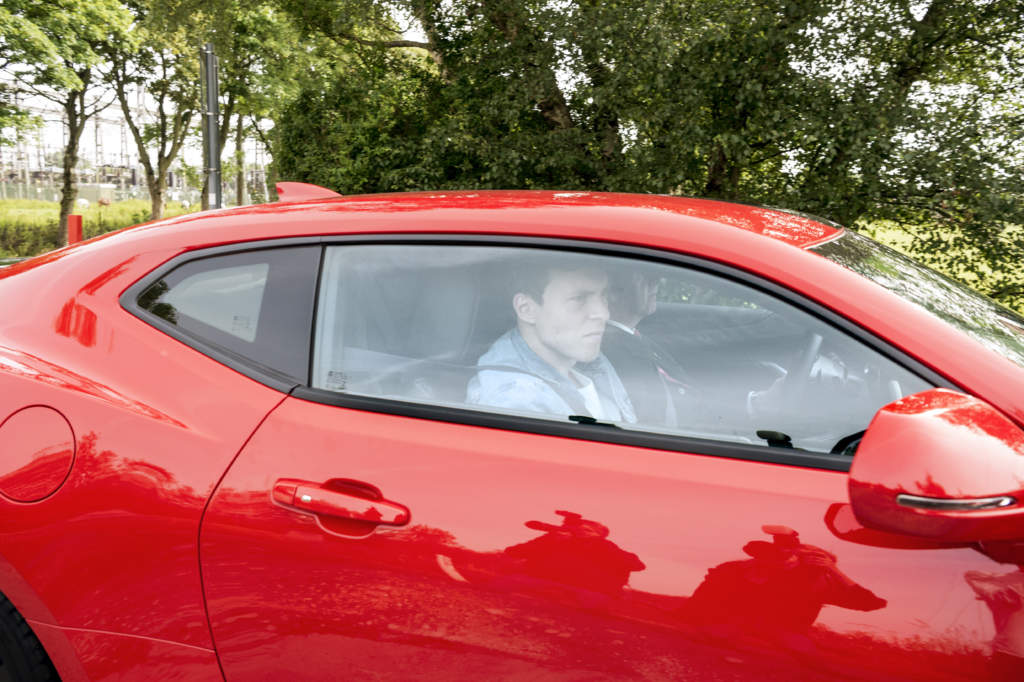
(538, 557)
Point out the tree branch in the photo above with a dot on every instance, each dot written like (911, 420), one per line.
(344, 35)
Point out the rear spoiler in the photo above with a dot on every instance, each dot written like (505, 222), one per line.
(303, 191)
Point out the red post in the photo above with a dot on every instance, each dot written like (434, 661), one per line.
(74, 229)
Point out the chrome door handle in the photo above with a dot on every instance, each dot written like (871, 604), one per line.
(951, 504)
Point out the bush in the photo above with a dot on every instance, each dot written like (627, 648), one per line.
(29, 227)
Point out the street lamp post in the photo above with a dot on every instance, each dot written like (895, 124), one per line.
(211, 125)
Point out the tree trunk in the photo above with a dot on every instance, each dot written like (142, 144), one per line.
(69, 188)
(718, 171)
(156, 199)
(158, 185)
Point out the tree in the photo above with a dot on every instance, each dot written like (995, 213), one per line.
(851, 110)
(53, 51)
(162, 65)
(262, 58)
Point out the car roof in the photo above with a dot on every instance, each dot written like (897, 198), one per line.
(782, 225)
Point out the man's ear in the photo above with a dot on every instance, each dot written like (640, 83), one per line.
(525, 307)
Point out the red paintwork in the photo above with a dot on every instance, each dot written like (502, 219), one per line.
(716, 230)
(92, 656)
(156, 424)
(486, 579)
(38, 449)
(940, 444)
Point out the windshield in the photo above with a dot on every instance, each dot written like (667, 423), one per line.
(996, 327)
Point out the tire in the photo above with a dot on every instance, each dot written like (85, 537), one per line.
(22, 657)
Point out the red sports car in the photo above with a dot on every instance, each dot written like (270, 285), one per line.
(519, 435)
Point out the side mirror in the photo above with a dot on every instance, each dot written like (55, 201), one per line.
(940, 465)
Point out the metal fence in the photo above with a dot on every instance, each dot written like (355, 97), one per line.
(93, 192)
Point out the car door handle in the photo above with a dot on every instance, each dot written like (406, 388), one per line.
(342, 498)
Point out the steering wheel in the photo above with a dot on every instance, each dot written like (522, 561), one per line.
(847, 445)
(794, 384)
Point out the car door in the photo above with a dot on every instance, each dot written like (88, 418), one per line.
(387, 522)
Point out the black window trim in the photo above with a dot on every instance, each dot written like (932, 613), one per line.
(482, 418)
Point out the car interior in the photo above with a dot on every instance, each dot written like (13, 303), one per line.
(410, 322)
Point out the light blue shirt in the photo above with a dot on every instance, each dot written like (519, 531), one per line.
(513, 377)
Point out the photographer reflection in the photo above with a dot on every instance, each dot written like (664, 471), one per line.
(776, 594)
(1003, 594)
(577, 554)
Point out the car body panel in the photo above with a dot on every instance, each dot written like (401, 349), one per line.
(719, 231)
(86, 655)
(462, 589)
(158, 423)
(113, 551)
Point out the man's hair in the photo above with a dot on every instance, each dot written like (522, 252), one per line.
(532, 274)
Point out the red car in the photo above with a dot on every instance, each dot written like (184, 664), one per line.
(520, 435)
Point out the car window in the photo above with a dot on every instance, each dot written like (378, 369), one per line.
(562, 335)
(227, 299)
(255, 304)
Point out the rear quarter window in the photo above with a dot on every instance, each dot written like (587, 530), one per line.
(255, 305)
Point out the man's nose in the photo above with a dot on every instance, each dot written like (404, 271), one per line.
(599, 308)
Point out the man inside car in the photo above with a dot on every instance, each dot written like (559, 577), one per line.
(550, 362)
(653, 379)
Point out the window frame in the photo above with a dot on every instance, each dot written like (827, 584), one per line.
(496, 420)
(598, 432)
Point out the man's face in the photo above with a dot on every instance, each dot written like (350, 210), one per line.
(641, 296)
(568, 322)
(645, 292)
(634, 298)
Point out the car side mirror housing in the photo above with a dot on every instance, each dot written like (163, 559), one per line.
(940, 465)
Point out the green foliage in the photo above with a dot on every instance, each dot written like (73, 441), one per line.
(48, 44)
(14, 122)
(160, 62)
(29, 227)
(52, 50)
(850, 110)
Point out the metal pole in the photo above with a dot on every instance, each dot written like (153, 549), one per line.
(74, 228)
(211, 125)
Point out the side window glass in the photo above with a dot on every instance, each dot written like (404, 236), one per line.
(254, 304)
(226, 299)
(563, 335)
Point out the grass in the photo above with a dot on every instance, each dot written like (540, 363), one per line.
(30, 226)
